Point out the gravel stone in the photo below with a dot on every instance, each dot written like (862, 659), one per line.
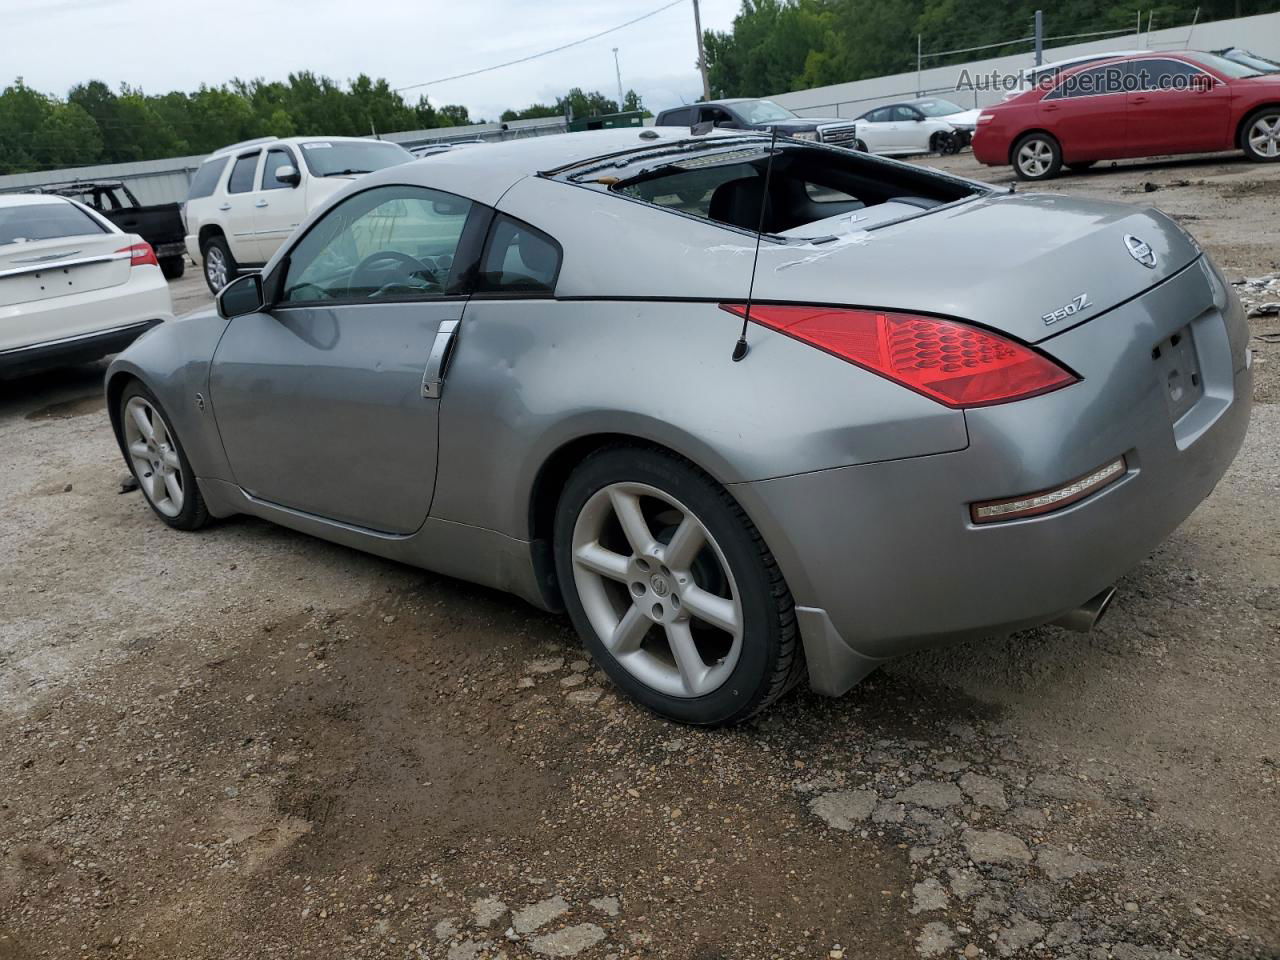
(994, 846)
(1058, 864)
(468, 949)
(545, 665)
(486, 911)
(1030, 817)
(888, 812)
(537, 914)
(965, 883)
(1063, 934)
(928, 895)
(1060, 787)
(1019, 935)
(935, 939)
(446, 929)
(844, 809)
(609, 906)
(984, 791)
(568, 942)
(932, 794)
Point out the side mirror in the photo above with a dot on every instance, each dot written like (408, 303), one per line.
(288, 174)
(241, 296)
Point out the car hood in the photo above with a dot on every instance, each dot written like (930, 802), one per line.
(803, 123)
(1003, 261)
(966, 118)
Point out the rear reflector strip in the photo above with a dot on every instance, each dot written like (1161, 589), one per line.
(992, 511)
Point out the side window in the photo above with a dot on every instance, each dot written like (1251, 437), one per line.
(242, 174)
(276, 159)
(1094, 82)
(878, 116)
(1158, 76)
(677, 118)
(206, 178)
(714, 115)
(519, 260)
(393, 242)
(903, 114)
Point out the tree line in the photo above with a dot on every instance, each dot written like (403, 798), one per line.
(780, 45)
(95, 124)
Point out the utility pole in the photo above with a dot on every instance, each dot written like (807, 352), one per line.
(702, 56)
(618, 70)
(919, 63)
(1039, 37)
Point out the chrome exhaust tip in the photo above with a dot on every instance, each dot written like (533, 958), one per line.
(1086, 616)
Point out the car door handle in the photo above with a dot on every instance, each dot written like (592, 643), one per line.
(261, 203)
(438, 361)
(1050, 108)
(1138, 100)
(224, 206)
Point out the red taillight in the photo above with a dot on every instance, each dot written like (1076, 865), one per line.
(140, 254)
(953, 363)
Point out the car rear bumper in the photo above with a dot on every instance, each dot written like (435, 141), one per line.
(83, 326)
(80, 348)
(884, 558)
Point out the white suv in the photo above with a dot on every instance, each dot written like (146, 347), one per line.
(247, 198)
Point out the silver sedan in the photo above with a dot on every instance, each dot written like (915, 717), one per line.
(913, 409)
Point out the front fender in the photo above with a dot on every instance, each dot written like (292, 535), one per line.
(172, 360)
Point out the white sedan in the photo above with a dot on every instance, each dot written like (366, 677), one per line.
(73, 287)
(900, 129)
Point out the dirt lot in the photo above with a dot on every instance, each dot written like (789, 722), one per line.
(245, 743)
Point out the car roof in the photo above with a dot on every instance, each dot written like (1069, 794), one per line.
(485, 175)
(32, 199)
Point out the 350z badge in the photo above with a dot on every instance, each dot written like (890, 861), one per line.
(1069, 310)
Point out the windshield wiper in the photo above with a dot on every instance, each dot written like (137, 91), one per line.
(345, 173)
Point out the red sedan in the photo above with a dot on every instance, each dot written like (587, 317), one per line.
(1148, 105)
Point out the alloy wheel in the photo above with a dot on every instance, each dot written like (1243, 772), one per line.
(1034, 158)
(154, 456)
(1264, 136)
(657, 589)
(215, 267)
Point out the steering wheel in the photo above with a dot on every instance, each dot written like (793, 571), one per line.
(416, 267)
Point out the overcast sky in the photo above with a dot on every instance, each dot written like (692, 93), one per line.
(162, 45)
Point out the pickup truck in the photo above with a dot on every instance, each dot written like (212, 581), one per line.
(159, 224)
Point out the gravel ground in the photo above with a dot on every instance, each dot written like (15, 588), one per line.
(246, 743)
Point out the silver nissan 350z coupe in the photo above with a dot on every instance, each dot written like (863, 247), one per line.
(960, 411)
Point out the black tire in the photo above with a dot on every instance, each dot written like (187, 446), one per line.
(194, 513)
(1270, 116)
(173, 267)
(1081, 166)
(770, 660)
(210, 250)
(860, 146)
(946, 144)
(1046, 147)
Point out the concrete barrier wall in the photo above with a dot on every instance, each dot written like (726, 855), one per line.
(1260, 33)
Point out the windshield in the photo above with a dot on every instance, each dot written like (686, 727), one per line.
(336, 158)
(762, 111)
(1252, 60)
(1228, 68)
(937, 108)
(45, 221)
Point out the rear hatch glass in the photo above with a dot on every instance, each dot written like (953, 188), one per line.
(55, 249)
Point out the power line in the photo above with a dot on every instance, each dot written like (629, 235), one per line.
(544, 53)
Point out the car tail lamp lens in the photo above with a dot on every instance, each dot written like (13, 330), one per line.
(952, 363)
(140, 254)
(1046, 501)
(986, 117)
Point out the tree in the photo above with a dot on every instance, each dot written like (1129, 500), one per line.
(67, 137)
